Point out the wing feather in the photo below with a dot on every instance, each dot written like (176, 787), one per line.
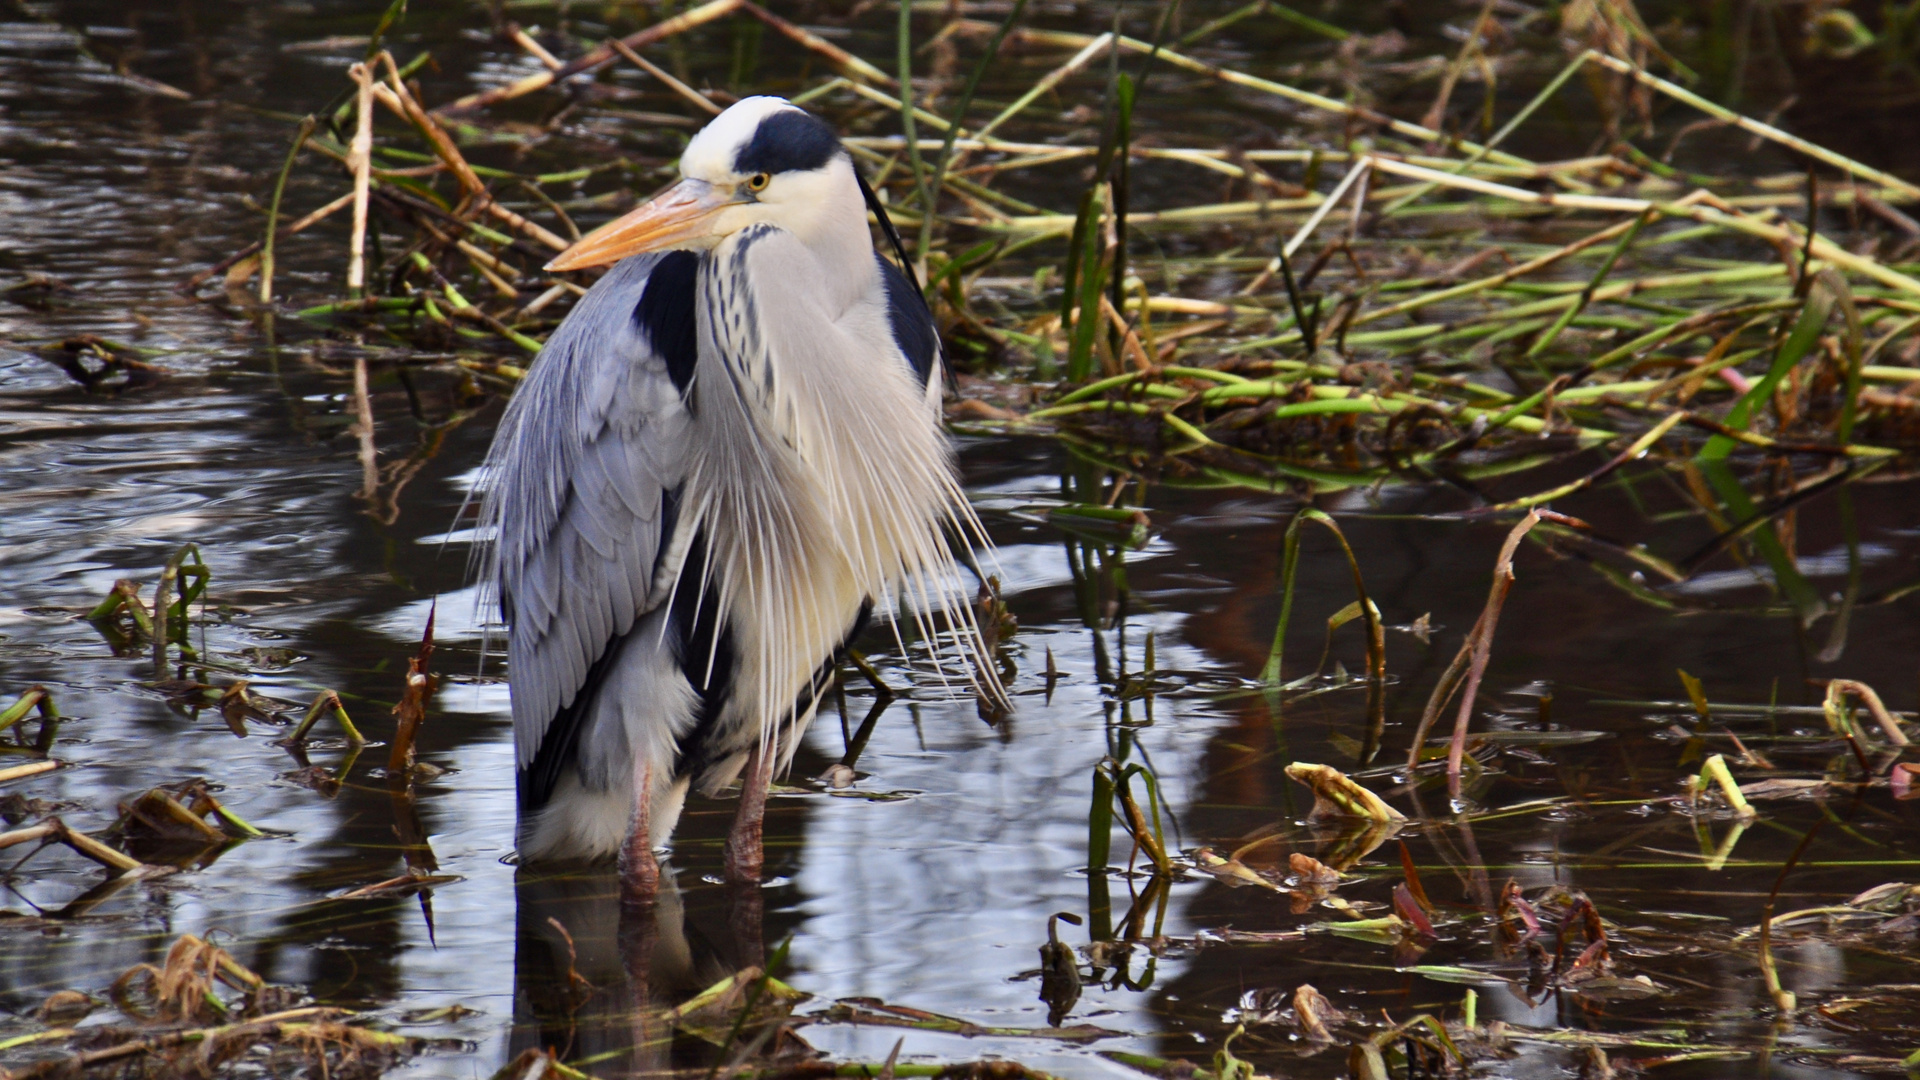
(589, 452)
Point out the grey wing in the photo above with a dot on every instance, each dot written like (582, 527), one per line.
(581, 488)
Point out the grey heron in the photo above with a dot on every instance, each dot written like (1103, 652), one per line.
(723, 459)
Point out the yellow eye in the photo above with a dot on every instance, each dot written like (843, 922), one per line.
(758, 181)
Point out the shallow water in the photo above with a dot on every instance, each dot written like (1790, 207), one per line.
(936, 899)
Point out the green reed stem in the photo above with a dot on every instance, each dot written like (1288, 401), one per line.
(273, 211)
(945, 156)
(1541, 343)
(1799, 342)
(1499, 137)
(904, 55)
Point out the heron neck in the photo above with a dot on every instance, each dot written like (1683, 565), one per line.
(837, 234)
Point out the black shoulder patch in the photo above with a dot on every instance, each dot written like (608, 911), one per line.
(911, 321)
(665, 313)
(786, 141)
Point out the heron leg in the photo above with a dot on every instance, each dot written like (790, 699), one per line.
(639, 871)
(744, 841)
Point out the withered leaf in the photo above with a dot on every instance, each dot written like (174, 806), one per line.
(1312, 871)
(1312, 1012)
(1337, 796)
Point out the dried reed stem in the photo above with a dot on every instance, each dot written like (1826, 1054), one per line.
(1724, 216)
(1752, 126)
(1481, 644)
(597, 58)
(700, 100)
(360, 161)
(1088, 53)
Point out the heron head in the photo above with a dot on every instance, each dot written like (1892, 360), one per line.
(762, 160)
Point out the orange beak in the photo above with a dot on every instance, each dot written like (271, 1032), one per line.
(677, 217)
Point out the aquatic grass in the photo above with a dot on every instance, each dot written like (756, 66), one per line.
(1714, 773)
(1085, 279)
(273, 209)
(944, 160)
(1469, 664)
(1807, 328)
(1362, 608)
(326, 703)
(917, 167)
(1099, 851)
(1783, 1000)
(34, 698)
(182, 581)
(1114, 781)
(1546, 337)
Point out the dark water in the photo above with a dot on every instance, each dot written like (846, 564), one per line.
(937, 899)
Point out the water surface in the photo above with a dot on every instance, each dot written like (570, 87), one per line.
(935, 896)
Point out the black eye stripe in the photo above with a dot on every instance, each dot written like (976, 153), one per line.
(787, 141)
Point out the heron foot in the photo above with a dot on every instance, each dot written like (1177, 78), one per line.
(639, 872)
(745, 841)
